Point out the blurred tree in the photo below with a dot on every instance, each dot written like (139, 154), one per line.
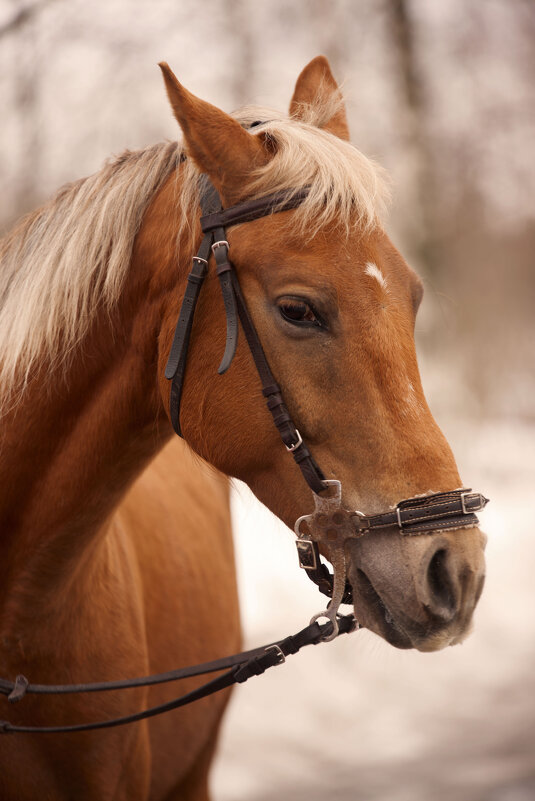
(21, 16)
(238, 16)
(422, 223)
(26, 92)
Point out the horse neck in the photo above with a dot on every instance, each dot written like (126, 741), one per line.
(81, 434)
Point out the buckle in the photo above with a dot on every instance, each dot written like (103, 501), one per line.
(306, 553)
(363, 524)
(220, 244)
(468, 496)
(295, 446)
(280, 656)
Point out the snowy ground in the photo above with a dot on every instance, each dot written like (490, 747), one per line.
(357, 719)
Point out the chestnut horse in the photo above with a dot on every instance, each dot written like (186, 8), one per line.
(113, 567)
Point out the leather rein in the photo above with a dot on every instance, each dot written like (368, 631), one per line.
(330, 524)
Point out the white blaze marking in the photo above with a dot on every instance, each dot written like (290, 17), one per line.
(374, 271)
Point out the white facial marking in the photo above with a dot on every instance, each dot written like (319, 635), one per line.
(374, 271)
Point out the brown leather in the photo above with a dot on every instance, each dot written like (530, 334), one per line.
(251, 210)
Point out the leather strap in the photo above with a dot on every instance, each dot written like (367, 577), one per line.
(224, 273)
(427, 513)
(271, 391)
(253, 209)
(176, 363)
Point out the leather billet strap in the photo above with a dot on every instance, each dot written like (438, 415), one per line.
(213, 224)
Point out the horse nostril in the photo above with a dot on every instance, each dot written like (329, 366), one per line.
(441, 600)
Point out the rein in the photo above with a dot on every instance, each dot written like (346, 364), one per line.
(330, 524)
(238, 669)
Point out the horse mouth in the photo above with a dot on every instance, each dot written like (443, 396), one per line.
(373, 614)
(397, 628)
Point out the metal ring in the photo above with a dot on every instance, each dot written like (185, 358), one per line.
(333, 619)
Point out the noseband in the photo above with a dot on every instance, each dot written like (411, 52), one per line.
(330, 524)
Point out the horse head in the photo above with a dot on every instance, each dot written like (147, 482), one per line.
(334, 305)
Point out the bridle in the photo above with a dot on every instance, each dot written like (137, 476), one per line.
(330, 525)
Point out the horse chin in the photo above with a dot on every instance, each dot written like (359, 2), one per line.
(372, 613)
(395, 626)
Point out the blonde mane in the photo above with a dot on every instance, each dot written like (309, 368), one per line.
(67, 259)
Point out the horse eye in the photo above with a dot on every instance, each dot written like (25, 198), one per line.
(298, 312)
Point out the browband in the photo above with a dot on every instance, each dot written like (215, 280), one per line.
(253, 209)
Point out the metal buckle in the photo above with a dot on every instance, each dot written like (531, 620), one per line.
(362, 528)
(294, 447)
(400, 521)
(220, 244)
(278, 651)
(306, 554)
(464, 496)
(200, 260)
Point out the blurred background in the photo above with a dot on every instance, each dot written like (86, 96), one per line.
(443, 95)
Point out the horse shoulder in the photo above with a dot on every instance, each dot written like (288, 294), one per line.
(177, 520)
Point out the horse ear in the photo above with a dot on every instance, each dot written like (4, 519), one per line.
(214, 140)
(317, 97)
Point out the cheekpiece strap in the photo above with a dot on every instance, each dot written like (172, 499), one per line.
(176, 363)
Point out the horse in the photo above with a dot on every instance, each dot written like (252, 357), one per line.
(117, 555)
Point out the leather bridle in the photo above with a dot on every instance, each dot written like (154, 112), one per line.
(330, 525)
